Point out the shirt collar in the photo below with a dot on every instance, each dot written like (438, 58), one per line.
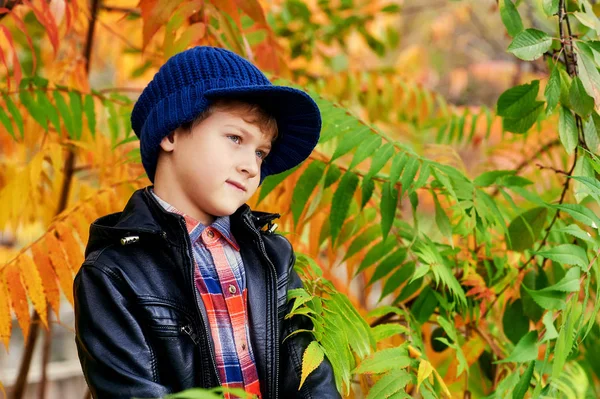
(222, 224)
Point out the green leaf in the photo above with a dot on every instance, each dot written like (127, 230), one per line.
(14, 112)
(311, 359)
(389, 204)
(564, 342)
(534, 280)
(569, 283)
(49, 110)
(530, 44)
(522, 125)
(581, 102)
(510, 17)
(486, 179)
(381, 157)
(567, 130)
(65, 114)
(367, 187)
(362, 240)
(517, 101)
(358, 331)
(552, 91)
(576, 231)
(523, 385)
(526, 349)
(580, 213)
(551, 332)
(408, 174)
(365, 150)
(376, 252)
(351, 140)
(525, 229)
(568, 254)
(425, 305)
(388, 264)
(384, 360)
(548, 299)
(590, 130)
(590, 77)
(387, 330)
(304, 188)
(7, 123)
(514, 321)
(341, 203)
(332, 175)
(33, 108)
(90, 114)
(76, 112)
(397, 165)
(389, 385)
(550, 7)
(442, 221)
(273, 181)
(397, 278)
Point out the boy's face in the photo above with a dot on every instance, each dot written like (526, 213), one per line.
(215, 166)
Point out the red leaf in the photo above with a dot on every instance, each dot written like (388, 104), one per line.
(47, 20)
(21, 25)
(16, 65)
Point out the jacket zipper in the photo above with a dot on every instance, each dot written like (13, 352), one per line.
(204, 322)
(263, 252)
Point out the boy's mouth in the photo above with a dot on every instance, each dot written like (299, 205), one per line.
(237, 185)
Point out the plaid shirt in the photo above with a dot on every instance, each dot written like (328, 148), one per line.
(221, 282)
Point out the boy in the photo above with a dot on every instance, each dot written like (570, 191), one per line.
(186, 287)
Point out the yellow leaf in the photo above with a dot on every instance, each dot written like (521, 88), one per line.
(5, 320)
(33, 283)
(425, 370)
(42, 261)
(442, 383)
(81, 225)
(59, 263)
(70, 245)
(312, 357)
(18, 297)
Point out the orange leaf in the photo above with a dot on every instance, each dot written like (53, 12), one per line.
(42, 261)
(18, 297)
(155, 14)
(70, 245)
(81, 226)
(59, 263)
(254, 10)
(230, 8)
(5, 320)
(33, 284)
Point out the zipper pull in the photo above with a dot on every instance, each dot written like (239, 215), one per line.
(188, 330)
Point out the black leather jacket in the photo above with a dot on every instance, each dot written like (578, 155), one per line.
(141, 327)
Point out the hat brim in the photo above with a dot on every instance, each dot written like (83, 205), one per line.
(298, 122)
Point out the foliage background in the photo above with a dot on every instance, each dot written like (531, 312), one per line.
(447, 219)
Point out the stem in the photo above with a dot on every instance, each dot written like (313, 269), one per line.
(19, 387)
(45, 358)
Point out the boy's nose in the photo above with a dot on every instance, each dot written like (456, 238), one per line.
(249, 165)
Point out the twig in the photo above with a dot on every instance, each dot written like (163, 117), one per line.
(562, 172)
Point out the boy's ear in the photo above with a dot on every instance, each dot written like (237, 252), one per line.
(168, 142)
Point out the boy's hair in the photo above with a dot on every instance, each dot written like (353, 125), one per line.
(250, 112)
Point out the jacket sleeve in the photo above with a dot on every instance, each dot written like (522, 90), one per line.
(320, 384)
(116, 359)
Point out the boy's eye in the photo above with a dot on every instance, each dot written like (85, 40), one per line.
(261, 154)
(236, 139)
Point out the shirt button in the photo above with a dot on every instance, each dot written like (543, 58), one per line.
(210, 233)
(243, 347)
(232, 289)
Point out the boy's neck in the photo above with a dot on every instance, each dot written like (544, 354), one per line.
(175, 197)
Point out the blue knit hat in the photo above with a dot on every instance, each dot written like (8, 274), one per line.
(190, 81)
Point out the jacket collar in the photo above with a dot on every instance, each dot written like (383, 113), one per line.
(144, 216)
